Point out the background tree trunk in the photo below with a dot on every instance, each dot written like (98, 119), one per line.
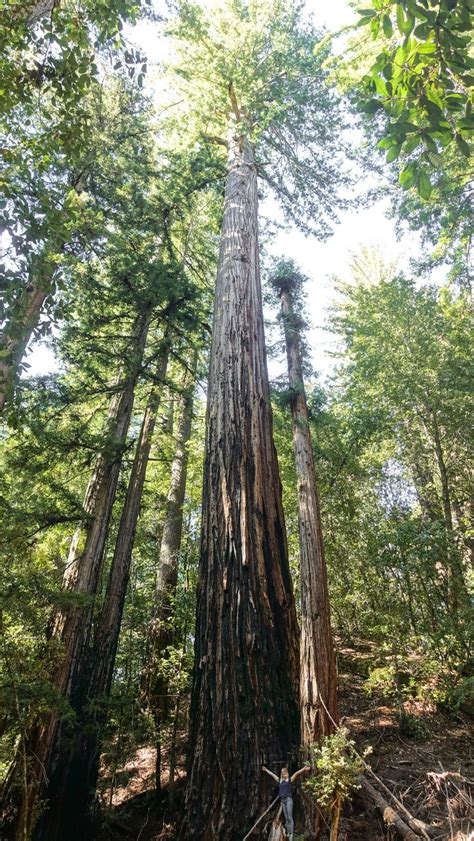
(15, 337)
(72, 786)
(244, 699)
(154, 684)
(318, 674)
(71, 626)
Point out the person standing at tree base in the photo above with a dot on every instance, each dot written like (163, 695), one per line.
(285, 794)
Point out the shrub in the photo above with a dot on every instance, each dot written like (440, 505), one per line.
(337, 768)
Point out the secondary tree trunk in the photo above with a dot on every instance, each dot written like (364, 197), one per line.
(16, 335)
(71, 626)
(318, 675)
(458, 595)
(243, 709)
(155, 686)
(72, 786)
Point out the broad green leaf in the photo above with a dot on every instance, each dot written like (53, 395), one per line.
(427, 48)
(372, 106)
(400, 18)
(404, 23)
(424, 185)
(463, 146)
(407, 175)
(411, 144)
(393, 153)
(387, 26)
(385, 143)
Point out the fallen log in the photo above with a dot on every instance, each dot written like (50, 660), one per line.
(419, 827)
(390, 817)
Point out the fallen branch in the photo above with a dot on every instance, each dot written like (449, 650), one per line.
(420, 827)
(389, 815)
(261, 818)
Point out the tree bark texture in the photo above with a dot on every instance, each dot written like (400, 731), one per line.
(244, 708)
(15, 337)
(72, 785)
(318, 674)
(71, 626)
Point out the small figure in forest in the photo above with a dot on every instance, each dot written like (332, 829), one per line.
(285, 794)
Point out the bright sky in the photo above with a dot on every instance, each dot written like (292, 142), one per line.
(319, 261)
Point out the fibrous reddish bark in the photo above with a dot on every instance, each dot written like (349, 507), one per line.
(318, 675)
(243, 708)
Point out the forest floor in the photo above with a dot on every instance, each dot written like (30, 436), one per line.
(430, 770)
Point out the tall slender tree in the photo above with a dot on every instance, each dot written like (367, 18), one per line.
(72, 785)
(318, 676)
(154, 683)
(71, 625)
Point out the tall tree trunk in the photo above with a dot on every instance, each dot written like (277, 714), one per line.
(15, 336)
(72, 786)
(25, 314)
(26, 311)
(244, 708)
(318, 675)
(155, 686)
(457, 591)
(71, 626)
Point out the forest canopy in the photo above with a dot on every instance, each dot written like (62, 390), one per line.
(235, 420)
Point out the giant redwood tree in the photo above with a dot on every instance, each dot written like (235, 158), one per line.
(244, 703)
(277, 123)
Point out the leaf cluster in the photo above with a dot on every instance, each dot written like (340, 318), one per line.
(421, 83)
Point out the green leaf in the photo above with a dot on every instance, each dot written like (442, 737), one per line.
(463, 146)
(393, 153)
(466, 123)
(385, 143)
(426, 49)
(429, 142)
(405, 127)
(422, 31)
(381, 85)
(405, 24)
(410, 22)
(407, 175)
(387, 26)
(400, 18)
(434, 96)
(372, 106)
(411, 144)
(374, 27)
(424, 185)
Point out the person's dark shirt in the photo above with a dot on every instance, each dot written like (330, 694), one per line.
(284, 788)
